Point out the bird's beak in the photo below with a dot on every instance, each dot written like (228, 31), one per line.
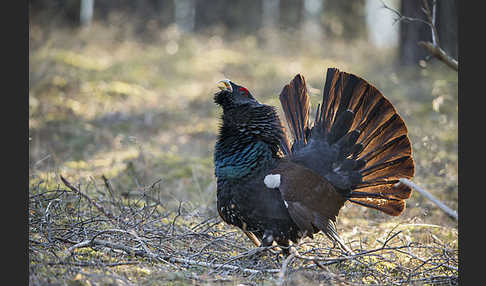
(225, 84)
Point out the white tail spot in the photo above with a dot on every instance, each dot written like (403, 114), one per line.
(272, 181)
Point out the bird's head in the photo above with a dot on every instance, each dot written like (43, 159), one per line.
(232, 95)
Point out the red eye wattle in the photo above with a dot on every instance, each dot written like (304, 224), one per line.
(244, 90)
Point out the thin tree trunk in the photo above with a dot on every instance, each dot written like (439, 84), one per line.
(413, 32)
(447, 26)
(86, 12)
(291, 13)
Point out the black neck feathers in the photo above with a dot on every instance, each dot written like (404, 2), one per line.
(248, 141)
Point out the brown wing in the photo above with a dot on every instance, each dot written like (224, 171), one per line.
(312, 202)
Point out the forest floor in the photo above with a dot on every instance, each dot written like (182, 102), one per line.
(130, 125)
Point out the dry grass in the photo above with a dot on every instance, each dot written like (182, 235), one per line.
(131, 125)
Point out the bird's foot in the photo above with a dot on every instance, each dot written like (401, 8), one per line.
(257, 254)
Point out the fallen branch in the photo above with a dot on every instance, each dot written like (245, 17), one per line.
(427, 195)
(223, 266)
(131, 232)
(90, 264)
(144, 253)
(329, 261)
(249, 253)
(424, 261)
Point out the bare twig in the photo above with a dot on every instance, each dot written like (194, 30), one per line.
(249, 253)
(431, 20)
(43, 159)
(400, 17)
(434, 46)
(90, 264)
(440, 54)
(109, 244)
(47, 218)
(428, 261)
(78, 245)
(283, 269)
(223, 266)
(131, 232)
(427, 195)
(94, 203)
(172, 225)
(203, 243)
(132, 251)
(108, 186)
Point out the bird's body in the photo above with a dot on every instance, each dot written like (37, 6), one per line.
(356, 151)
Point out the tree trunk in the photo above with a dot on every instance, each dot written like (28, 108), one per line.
(185, 14)
(291, 12)
(447, 26)
(413, 32)
(248, 21)
(209, 15)
(344, 19)
(270, 13)
(167, 12)
(238, 16)
(86, 12)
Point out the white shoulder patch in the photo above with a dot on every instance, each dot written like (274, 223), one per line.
(272, 181)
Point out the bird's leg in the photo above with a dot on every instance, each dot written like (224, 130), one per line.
(285, 246)
(267, 240)
(253, 238)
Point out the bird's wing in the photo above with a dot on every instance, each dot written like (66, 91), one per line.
(312, 202)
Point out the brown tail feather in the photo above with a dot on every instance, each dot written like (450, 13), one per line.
(284, 142)
(295, 104)
(390, 189)
(390, 207)
(382, 146)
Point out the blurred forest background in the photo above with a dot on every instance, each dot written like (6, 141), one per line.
(120, 104)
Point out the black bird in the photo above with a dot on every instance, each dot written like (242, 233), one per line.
(356, 150)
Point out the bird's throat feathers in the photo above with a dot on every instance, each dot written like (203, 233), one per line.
(248, 141)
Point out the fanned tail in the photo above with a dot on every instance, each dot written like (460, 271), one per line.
(367, 140)
(372, 139)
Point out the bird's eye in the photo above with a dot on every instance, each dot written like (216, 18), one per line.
(244, 91)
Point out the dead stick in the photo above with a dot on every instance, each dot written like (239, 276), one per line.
(47, 218)
(223, 266)
(283, 270)
(100, 208)
(142, 253)
(440, 54)
(427, 195)
(434, 46)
